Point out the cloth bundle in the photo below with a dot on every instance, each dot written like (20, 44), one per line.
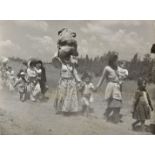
(67, 43)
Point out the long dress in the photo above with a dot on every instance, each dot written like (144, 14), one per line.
(67, 94)
(142, 106)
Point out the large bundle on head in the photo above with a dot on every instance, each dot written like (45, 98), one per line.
(67, 43)
(153, 48)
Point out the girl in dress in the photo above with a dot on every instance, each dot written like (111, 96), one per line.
(21, 85)
(113, 94)
(142, 105)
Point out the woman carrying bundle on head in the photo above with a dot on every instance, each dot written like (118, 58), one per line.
(66, 101)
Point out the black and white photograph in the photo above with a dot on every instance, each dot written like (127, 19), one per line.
(77, 77)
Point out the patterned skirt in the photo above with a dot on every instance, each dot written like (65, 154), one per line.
(142, 111)
(67, 96)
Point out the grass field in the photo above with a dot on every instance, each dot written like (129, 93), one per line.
(39, 118)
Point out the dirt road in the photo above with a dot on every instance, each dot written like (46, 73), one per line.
(40, 119)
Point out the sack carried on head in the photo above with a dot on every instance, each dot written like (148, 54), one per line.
(67, 43)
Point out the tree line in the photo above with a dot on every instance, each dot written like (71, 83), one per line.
(137, 67)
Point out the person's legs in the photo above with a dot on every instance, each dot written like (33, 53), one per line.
(135, 123)
(36, 92)
(116, 115)
(143, 125)
(83, 109)
(20, 96)
(108, 112)
(87, 110)
(23, 97)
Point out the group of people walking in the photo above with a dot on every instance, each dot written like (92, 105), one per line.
(74, 94)
(30, 81)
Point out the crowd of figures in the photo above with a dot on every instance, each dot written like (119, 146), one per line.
(30, 82)
(74, 94)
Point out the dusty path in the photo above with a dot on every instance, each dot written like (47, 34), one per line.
(39, 118)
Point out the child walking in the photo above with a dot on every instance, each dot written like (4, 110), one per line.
(21, 84)
(142, 106)
(87, 93)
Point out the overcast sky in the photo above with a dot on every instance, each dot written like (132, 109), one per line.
(27, 39)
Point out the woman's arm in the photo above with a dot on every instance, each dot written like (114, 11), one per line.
(149, 101)
(102, 78)
(77, 78)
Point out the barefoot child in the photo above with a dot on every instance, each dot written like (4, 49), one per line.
(142, 105)
(21, 84)
(87, 93)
